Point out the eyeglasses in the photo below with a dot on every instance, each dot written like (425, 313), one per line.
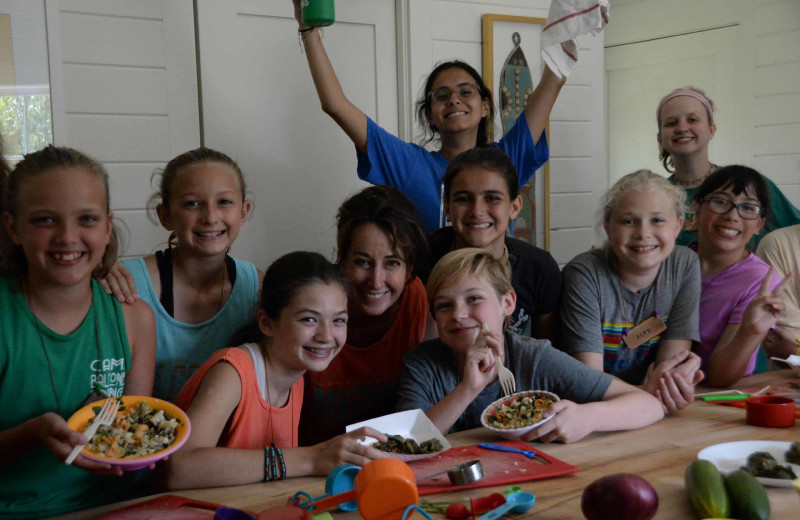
(746, 210)
(443, 94)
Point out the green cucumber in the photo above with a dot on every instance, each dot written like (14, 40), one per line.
(706, 490)
(748, 498)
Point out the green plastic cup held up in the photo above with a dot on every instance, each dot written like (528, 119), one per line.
(317, 13)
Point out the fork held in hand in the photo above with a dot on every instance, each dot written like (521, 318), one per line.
(506, 377)
(105, 417)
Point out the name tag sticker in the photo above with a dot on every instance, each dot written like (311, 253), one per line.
(644, 332)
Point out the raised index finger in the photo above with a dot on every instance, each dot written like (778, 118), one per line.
(782, 284)
(767, 282)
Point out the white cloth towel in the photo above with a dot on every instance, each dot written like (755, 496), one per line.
(567, 20)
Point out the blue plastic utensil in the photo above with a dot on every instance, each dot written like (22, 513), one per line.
(499, 447)
(519, 502)
(340, 480)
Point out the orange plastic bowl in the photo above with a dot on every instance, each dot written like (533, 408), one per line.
(771, 411)
(80, 421)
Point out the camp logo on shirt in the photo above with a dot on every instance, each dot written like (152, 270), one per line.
(110, 375)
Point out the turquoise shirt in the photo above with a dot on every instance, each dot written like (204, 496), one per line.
(183, 347)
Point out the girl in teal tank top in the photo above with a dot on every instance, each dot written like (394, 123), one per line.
(200, 296)
(61, 338)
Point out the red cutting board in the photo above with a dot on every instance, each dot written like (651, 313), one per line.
(167, 507)
(499, 468)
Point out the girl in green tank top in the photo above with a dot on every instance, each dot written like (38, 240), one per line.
(62, 339)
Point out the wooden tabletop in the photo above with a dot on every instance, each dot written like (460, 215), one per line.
(658, 453)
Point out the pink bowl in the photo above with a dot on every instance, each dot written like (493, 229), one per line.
(771, 411)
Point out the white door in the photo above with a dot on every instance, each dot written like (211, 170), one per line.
(639, 74)
(259, 106)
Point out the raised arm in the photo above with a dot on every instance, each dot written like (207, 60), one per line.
(331, 96)
(735, 347)
(540, 104)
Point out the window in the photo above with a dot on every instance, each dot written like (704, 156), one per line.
(26, 120)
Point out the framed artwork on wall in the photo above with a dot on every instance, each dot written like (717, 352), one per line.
(512, 66)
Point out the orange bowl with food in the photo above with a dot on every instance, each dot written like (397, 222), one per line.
(145, 431)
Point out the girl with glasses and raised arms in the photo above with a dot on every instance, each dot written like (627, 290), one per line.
(740, 299)
(456, 106)
(686, 127)
(630, 308)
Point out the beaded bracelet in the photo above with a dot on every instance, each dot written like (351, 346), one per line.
(267, 463)
(274, 466)
(280, 459)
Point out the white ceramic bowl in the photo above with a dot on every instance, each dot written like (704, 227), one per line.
(514, 433)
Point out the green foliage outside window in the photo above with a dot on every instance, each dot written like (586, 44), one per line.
(26, 123)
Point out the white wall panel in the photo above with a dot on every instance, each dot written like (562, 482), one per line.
(112, 40)
(112, 138)
(783, 169)
(777, 110)
(130, 183)
(139, 235)
(125, 91)
(115, 90)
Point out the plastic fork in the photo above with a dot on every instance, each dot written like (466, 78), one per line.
(104, 417)
(506, 377)
(507, 382)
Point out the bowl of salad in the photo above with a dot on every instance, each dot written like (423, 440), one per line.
(514, 415)
(145, 431)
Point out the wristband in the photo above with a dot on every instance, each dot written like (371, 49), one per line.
(307, 29)
(267, 463)
(282, 463)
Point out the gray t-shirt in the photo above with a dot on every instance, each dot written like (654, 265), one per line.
(594, 319)
(429, 374)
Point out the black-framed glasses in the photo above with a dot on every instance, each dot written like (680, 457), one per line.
(443, 94)
(746, 210)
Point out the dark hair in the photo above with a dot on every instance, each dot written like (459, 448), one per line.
(390, 210)
(163, 195)
(423, 105)
(290, 273)
(12, 257)
(489, 158)
(741, 179)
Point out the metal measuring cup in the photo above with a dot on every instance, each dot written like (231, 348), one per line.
(463, 474)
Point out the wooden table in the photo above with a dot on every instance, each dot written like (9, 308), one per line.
(658, 453)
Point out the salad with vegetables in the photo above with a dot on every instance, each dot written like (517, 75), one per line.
(521, 412)
(137, 431)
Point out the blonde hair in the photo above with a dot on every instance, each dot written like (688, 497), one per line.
(469, 261)
(640, 180)
(12, 257)
(694, 92)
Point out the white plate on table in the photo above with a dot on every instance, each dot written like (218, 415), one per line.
(730, 456)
